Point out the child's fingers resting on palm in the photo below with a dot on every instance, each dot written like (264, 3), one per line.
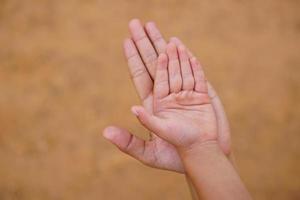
(182, 111)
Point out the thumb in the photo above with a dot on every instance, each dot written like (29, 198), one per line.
(129, 144)
(148, 120)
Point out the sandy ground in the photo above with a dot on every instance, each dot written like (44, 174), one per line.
(64, 78)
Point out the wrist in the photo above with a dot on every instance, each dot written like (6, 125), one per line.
(201, 151)
(208, 167)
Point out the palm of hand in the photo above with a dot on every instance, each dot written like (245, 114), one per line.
(182, 113)
(155, 152)
(186, 108)
(187, 117)
(163, 155)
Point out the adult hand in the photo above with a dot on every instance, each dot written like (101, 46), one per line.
(141, 51)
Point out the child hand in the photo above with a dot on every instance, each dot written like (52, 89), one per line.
(182, 110)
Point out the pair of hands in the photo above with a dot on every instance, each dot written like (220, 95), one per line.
(180, 107)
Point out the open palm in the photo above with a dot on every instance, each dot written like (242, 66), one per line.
(186, 115)
(141, 52)
(182, 110)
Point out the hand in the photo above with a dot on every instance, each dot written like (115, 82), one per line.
(182, 110)
(156, 152)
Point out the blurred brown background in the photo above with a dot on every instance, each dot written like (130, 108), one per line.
(64, 78)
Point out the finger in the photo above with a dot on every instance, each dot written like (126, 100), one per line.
(161, 83)
(139, 73)
(174, 68)
(156, 37)
(144, 45)
(178, 42)
(223, 125)
(130, 144)
(151, 122)
(186, 71)
(200, 81)
(224, 138)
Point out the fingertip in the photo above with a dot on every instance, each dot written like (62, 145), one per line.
(134, 22)
(162, 58)
(176, 40)
(136, 29)
(173, 39)
(117, 136)
(171, 47)
(183, 54)
(162, 61)
(150, 24)
(194, 61)
(172, 51)
(110, 132)
(181, 48)
(136, 110)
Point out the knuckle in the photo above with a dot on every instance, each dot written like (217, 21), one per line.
(156, 37)
(150, 58)
(138, 71)
(129, 143)
(140, 38)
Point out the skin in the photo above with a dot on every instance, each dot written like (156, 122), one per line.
(211, 173)
(183, 115)
(141, 51)
(182, 111)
